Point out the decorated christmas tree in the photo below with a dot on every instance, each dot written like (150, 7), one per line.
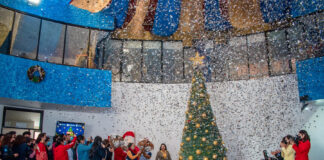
(201, 139)
(70, 131)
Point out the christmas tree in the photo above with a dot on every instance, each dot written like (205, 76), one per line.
(201, 139)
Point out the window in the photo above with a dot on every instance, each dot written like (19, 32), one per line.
(26, 29)
(21, 120)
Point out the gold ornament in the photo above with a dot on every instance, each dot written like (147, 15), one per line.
(193, 79)
(197, 60)
(180, 158)
(186, 127)
(201, 85)
(190, 116)
(215, 143)
(204, 115)
(188, 139)
(214, 156)
(187, 112)
(223, 142)
(197, 125)
(190, 158)
(205, 158)
(195, 136)
(224, 158)
(201, 95)
(213, 123)
(194, 103)
(203, 139)
(181, 144)
(206, 131)
(198, 151)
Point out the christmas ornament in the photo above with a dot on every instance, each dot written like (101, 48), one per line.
(194, 103)
(195, 136)
(186, 127)
(203, 139)
(214, 156)
(224, 158)
(205, 158)
(181, 144)
(198, 151)
(213, 123)
(188, 139)
(206, 131)
(204, 115)
(190, 116)
(215, 143)
(197, 125)
(201, 95)
(190, 158)
(201, 85)
(180, 157)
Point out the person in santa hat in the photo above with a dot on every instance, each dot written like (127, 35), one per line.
(129, 137)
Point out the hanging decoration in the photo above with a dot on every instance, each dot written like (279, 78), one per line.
(274, 10)
(36, 74)
(131, 12)
(117, 9)
(166, 18)
(149, 17)
(213, 18)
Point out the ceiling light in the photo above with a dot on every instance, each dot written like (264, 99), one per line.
(34, 1)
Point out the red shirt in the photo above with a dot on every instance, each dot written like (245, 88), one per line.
(302, 150)
(119, 154)
(41, 153)
(60, 152)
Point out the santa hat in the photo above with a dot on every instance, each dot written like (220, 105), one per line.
(129, 133)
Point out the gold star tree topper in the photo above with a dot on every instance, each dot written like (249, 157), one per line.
(197, 60)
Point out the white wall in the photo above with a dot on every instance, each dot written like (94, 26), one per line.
(252, 115)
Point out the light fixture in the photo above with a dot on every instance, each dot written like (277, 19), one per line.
(34, 1)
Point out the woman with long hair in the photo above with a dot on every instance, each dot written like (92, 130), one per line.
(7, 152)
(97, 151)
(82, 149)
(20, 147)
(60, 151)
(303, 146)
(130, 152)
(41, 152)
(287, 152)
(163, 154)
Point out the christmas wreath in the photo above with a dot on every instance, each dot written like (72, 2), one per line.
(36, 74)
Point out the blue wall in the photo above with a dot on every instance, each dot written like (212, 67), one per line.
(310, 75)
(61, 10)
(62, 84)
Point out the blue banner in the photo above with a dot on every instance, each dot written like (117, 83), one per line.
(213, 17)
(167, 17)
(62, 84)
(274, 10)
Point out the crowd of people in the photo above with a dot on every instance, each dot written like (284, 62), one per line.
(293, 148)
(72, 147)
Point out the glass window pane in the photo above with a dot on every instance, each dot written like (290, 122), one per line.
(278, 52)
(188, 65)
(6, 19)
(95, 56)
(25, 36)
(238, 59)
(76, 47)
(221, 63)
(112, 57)
(172, 62)
(152, 61)
(22, 119)
(258, 58)
(131, 61)
(206, 48)
(51, 42)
